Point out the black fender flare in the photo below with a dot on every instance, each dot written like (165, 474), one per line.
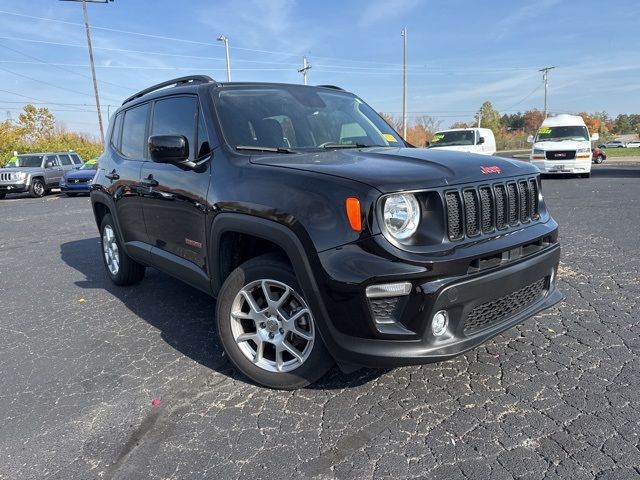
(286, 239)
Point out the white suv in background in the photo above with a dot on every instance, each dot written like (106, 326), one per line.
(562, 145)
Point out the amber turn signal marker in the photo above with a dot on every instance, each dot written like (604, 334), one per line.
(352, 204)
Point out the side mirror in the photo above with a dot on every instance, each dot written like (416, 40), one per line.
(530, 139)
(48, 165)
(595, 137)
(480, 140)
(169, 148)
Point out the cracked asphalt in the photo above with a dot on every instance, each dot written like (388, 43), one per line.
(81, 362)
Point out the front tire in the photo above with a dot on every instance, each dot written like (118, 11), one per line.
(586, 175)
(121, 268)
(2, 195)
(266, 327)
(37, 188)
(599, 159)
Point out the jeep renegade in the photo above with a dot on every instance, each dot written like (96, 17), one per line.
(323, 235)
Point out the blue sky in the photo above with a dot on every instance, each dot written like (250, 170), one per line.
(460, 53)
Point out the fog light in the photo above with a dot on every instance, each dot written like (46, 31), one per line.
(388, 290)
(439, 323)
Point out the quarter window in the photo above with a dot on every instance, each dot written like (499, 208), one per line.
(115, 132)
(176, 116)
(133, 132)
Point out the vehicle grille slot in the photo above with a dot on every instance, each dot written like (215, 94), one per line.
(512, 192)
(533, 194)
(487, 208)
(471, 211)
(501, 206)
(5, 177)
(488, 314)
(454, 215)
(524, 200)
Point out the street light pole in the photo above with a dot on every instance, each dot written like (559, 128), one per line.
(93, 67)
(404, 82)
(545, 77)
(224, 39)
(305, 68)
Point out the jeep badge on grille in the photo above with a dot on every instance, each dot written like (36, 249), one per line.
(488, 170)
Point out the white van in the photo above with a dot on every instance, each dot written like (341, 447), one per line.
(562, 145)
(474, 140)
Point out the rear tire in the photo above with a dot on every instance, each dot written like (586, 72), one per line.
(273, 338)
(37, 188)
(121, 268)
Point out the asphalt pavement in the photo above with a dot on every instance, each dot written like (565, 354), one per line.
(103, 382)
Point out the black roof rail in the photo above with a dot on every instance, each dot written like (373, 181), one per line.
(331, 86)
(168, 83)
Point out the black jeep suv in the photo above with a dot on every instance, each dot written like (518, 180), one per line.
(324, 236)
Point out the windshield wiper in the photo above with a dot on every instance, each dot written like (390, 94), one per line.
(349, 145)
(257, 148)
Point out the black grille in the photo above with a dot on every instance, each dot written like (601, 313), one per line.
(471, 210)
(490, 313)
(533, 199)
(524, 201)
(454, 215)
(501, 206)
(560, 155)
(487, 209)
(383, 308)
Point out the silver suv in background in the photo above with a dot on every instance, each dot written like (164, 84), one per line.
(37, 173)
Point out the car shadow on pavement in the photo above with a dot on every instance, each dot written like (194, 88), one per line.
(183, 315)
(616, 172)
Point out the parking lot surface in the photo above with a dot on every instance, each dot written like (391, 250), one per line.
(104, 382)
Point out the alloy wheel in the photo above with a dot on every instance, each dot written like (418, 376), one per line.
(272, 325)
(110, 249)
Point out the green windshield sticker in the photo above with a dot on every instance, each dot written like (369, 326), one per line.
(93, 161)
(544, 131)
(437, 137)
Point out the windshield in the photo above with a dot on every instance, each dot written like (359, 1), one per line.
(455, 137)
(29, 161)
(299, 118)
(89, 166)
(557, 134)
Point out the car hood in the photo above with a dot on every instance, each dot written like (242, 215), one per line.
(563, 145)
(80, 174)
(398, 169)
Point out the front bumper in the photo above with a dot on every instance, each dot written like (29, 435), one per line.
(13, 187)
(84, 187)
(462, 296)
(562, 167)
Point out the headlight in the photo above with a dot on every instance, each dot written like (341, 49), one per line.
(583, 150)
(401, 214)
(538, 151)
(21, 175)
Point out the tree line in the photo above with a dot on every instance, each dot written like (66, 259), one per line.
(512, 129)
(36, 130)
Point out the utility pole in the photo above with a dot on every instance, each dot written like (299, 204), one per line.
(93, 67)
(305, 68)
(404, 82)
(224, 39)
(545, 77)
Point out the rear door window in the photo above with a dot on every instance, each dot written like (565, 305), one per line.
(134, 141)
(65, 160)
(76, 159)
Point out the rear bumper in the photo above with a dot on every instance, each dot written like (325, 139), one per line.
(460, 296)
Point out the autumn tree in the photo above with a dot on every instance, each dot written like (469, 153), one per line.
(460, 125)
(36, 123)
(532, 121)
(393, 121)
(592, 123)
(488, 117)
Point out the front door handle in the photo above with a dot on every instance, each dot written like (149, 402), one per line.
(150, 181)
(112, 176)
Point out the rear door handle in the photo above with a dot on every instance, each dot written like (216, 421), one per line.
(150, 181)
(112, 176)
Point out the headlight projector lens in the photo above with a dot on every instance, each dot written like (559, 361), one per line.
(401, 215)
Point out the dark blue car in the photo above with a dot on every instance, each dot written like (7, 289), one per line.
(79, 181)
